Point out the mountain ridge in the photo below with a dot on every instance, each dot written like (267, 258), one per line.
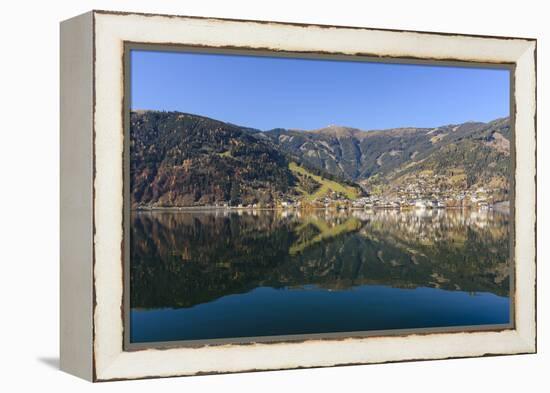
(229, 160)
(328, 127)
(180, 159)
(357, 155)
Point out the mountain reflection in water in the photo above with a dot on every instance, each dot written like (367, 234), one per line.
(186, 266)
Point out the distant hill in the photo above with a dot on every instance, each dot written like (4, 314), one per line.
(180, 159)
(476, 152)
(357, 154)
(478, 158)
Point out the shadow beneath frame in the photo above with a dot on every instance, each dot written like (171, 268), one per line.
(52, 362)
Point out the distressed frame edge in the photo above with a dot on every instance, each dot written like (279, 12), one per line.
(526, 267)
(304, 24)
(76, 196)
(527, 340)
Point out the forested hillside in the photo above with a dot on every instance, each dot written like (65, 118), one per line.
(180, 159)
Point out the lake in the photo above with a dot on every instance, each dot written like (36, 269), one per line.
(218, 274)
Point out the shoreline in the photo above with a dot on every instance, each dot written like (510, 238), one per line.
(226, 208)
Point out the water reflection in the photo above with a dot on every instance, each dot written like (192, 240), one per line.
(184, 260)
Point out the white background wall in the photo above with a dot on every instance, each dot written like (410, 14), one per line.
(29, 181)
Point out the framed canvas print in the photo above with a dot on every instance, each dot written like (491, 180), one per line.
(245, 195)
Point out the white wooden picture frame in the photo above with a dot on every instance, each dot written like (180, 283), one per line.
(92, 181)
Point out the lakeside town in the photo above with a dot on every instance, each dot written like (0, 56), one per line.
(405, 198)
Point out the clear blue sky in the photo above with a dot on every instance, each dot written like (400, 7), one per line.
(265, 92)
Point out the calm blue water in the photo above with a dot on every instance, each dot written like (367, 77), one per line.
(217, 275)
(270, 312)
